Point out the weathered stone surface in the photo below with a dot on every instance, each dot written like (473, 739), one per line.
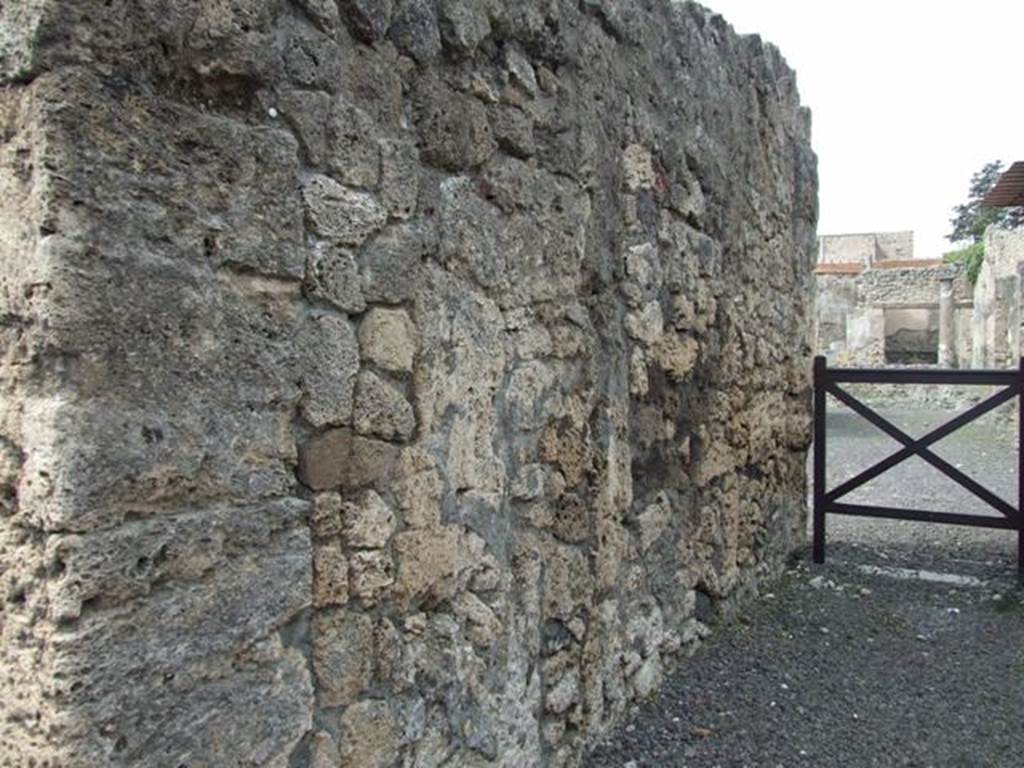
(342, 655)
(369, 522)
(464, 24)
(370, 736)
(381, 409)
(331, 364)
(368, 19)
(307, 112)
(352, 152)
(324, 751)
(454, 130)
(326, 521)
(340, 214)
(519, 306)
(332, 276)
(391, 263)
(419, 489)
(414, 30)
(387, 338)
(330, 575)
(339, 458)
(371, 574)
(429, 560)
(400, 181)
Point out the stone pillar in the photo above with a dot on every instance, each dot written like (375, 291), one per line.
(947, 346)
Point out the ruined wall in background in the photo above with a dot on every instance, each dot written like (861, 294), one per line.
(865, 248)
(911, 286)
(385, 383)
(835, 299)
(995, 325)
(894, 246)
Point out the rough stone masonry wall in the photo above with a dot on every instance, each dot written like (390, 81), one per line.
(915, 286)
(385, 383)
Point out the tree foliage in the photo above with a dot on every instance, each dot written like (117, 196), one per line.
(971, 256)
(972, 218)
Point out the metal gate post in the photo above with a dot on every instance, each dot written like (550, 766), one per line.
(820, 365)
(1020, 468)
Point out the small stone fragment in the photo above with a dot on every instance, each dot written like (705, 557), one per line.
(414, 30)
(564, 694)
(387, 338)
(399, 182)
(483, 626)
(330, 575)
(419, 490)
(381, 409)
(639, 380)
(513, 131)
(332, 275)
(521, 72)
(326, 519)
(371, 573)
(330, 364)
(391, 270)
(352, 152)
(638, 166)
(647, 678)
(368, 19)
(324, 752)
(370, 736)
(341, 214)
(307, 112)
(463, 25)
(368, 522)
(647, 325)
(677, 355)
(453, 128)
(342, 655)
(428, 561)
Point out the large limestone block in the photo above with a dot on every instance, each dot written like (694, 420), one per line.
(340, 458)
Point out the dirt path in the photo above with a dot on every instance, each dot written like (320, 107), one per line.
(905, 649)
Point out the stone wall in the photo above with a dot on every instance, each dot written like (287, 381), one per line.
(386, 383)
(995, 326)
(856, 311)
(865, 248)
(894, 246)
(835, 298)
(911, 286)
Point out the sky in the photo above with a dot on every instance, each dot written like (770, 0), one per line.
(909, 99)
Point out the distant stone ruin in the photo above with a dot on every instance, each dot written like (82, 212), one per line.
(398, 383)
(878, 305)
(998, 294)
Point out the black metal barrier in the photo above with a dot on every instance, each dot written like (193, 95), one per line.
(827, 381)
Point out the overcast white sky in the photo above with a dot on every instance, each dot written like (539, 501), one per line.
(909, 99)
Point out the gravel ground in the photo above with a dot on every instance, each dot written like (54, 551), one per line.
(905, 649)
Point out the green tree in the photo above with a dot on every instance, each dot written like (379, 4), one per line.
(971, 219)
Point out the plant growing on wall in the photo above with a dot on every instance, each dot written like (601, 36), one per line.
(971, 219)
